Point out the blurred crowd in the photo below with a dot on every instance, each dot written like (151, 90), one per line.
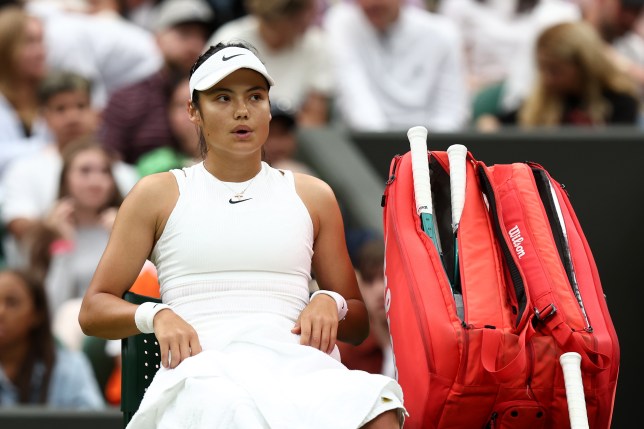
(93, 96)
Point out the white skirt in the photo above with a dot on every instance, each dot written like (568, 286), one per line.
(253, 373)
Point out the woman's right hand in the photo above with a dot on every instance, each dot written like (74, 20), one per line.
(177, 339)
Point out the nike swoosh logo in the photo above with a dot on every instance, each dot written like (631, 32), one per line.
(225, 58)
(238, 201)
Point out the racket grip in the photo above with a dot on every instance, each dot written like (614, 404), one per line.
(420, 169)
(571, 366)
(457, 154)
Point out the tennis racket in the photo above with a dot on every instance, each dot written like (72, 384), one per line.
(571, 366)
(422, 187)
(457, 155)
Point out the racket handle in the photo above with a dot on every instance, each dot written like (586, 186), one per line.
(420, 169)
(457, 154)
(571, 366)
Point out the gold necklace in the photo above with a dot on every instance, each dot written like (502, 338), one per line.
(239, 195)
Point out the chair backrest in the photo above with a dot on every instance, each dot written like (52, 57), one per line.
(140, 361)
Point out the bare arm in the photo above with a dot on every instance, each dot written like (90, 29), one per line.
(138, 225)
(333, 271)
(104, 313)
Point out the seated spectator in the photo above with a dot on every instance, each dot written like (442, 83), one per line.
(623, 30)
(22, 129)
(110, 52)
(31, 183)
(186, 152)
(293, 49)
(66, 245)
(494, 34)
(135, 119)
(33, 369)
(577, 84)
(280, 148)
(396, 66)
(375, 354)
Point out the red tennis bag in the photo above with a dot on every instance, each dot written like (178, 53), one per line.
(497, 366)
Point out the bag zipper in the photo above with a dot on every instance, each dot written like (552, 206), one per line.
(544, 186)
(422, 324)
(515, 273)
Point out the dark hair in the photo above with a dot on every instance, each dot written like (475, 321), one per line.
(371, 259)
(522, 6)
(274, 9)
(42, 348)
(212, 50)
(59, 82)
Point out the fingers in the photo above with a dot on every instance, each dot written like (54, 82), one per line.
(178, 350)
(318, 332)
(177, 339)
(297, 329)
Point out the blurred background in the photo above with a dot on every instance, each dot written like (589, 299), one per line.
(93, 96)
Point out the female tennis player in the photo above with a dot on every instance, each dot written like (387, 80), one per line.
(235, 242)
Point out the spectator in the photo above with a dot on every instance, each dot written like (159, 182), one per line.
(135, 119)
(280, 148)
(494, 33)
(22, 129)
(187, 151)
(375, 354)
(110, 52)
(293, 49)
(521, 74)
(625, 35)
(65, 247)
(31, 183)
(396, 66)
(577, 84)
(33, 370)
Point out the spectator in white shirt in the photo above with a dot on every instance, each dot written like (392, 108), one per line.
(293, 49)
(396, 66)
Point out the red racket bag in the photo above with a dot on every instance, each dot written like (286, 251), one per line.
(498, 367)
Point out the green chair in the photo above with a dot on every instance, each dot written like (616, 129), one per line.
(487, 101)
(141, 359)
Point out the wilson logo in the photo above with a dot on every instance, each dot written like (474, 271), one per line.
(517, 239)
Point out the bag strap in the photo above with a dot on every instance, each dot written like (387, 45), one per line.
(492, 341)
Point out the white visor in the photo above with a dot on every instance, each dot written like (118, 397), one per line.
(223, 63)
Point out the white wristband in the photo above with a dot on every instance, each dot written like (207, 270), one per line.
(144, 316)
(343, 308)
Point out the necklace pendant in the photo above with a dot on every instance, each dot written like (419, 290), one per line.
(238, 197)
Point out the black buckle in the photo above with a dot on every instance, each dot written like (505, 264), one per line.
(548, 311)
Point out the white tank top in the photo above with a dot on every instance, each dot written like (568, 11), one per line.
(218, 258)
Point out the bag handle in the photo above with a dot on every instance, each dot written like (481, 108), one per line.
(568, 340)
(491, 341)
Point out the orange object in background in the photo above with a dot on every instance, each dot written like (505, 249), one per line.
(147, 283)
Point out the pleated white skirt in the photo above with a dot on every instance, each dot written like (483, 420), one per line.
(253, 373)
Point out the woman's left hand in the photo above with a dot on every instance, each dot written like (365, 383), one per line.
(318, 324)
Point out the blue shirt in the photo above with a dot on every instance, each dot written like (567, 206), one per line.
(72, 385)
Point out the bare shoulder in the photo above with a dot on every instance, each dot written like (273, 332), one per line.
(155, 188)
(153, 196)
(312, 188)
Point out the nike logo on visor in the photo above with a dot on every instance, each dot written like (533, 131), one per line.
(225, 58)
